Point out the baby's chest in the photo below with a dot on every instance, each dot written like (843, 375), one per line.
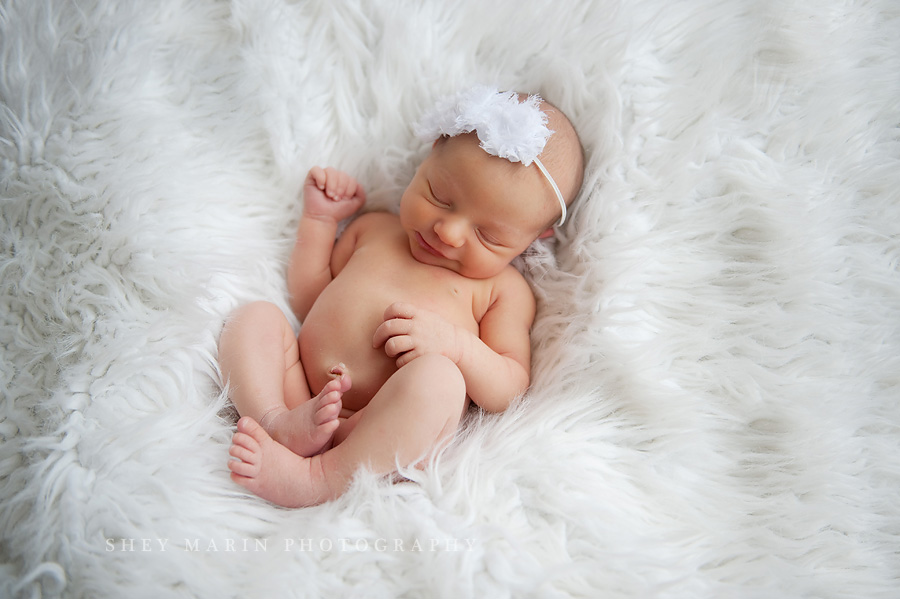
(381, 283)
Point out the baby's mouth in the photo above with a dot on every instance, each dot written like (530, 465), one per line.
(428, 247)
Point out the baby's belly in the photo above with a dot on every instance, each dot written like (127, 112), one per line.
(339, 330)
(341, 324)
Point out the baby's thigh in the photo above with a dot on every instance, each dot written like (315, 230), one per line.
(262, 329)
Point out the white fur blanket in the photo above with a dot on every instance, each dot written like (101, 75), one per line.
(715, 409)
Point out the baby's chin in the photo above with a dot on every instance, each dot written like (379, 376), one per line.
(422, 255)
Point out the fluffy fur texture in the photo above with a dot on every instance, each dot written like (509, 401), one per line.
(715, 409)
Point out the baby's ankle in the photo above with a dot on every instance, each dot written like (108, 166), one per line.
(268, 419)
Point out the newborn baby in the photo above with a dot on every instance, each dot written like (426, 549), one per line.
(406, 318)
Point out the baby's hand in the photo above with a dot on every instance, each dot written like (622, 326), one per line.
(330, 193)
(409, 332)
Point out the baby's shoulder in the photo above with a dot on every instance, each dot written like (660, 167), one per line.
(374, 221)
(511, 277)
(510, 283)
(368, 227)
(361, 231)
(509, 295)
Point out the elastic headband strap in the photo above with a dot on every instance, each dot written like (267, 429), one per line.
(562, 202)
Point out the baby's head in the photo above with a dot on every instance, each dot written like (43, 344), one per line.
(563, 155)
(479, 199)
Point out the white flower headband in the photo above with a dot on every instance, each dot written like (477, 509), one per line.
(506, 127)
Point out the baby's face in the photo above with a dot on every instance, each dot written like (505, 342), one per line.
(471, 212)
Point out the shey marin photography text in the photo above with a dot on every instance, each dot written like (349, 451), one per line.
(323, 545)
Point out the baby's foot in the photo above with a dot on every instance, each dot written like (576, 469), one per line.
(307, 429)
(272, 471)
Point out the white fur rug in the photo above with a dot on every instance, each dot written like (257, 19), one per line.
(716, 401)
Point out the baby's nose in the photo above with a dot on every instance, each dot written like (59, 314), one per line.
(451, 232)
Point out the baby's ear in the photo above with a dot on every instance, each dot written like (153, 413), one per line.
(546, 234)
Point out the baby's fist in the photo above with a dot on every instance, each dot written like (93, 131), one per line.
(330, 193)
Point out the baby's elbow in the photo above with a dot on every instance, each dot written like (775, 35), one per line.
(299, 307)
(501, 403)
(495, 408)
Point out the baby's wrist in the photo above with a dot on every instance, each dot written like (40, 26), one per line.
(319, 218)
(463, 345)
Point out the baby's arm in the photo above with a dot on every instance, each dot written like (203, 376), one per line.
(496, 365)
(329, 197)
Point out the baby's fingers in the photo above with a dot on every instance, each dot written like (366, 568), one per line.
(317, 177)
(399, 310)
(349, 188)
(396, 346)
(389, 329)
(339, 185)
(355, 191)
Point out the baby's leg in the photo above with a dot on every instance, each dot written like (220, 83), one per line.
(260, 359)
(417, 408)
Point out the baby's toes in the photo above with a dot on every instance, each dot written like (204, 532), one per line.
(251, 428)
(242, 468)
(329, 411)
(330, 387)
(244, 454)
(245, 441)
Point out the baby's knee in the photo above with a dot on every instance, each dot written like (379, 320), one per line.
(254, 320)
(259, 311)
(255, 315)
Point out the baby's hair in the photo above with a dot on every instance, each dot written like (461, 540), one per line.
(564, 154)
